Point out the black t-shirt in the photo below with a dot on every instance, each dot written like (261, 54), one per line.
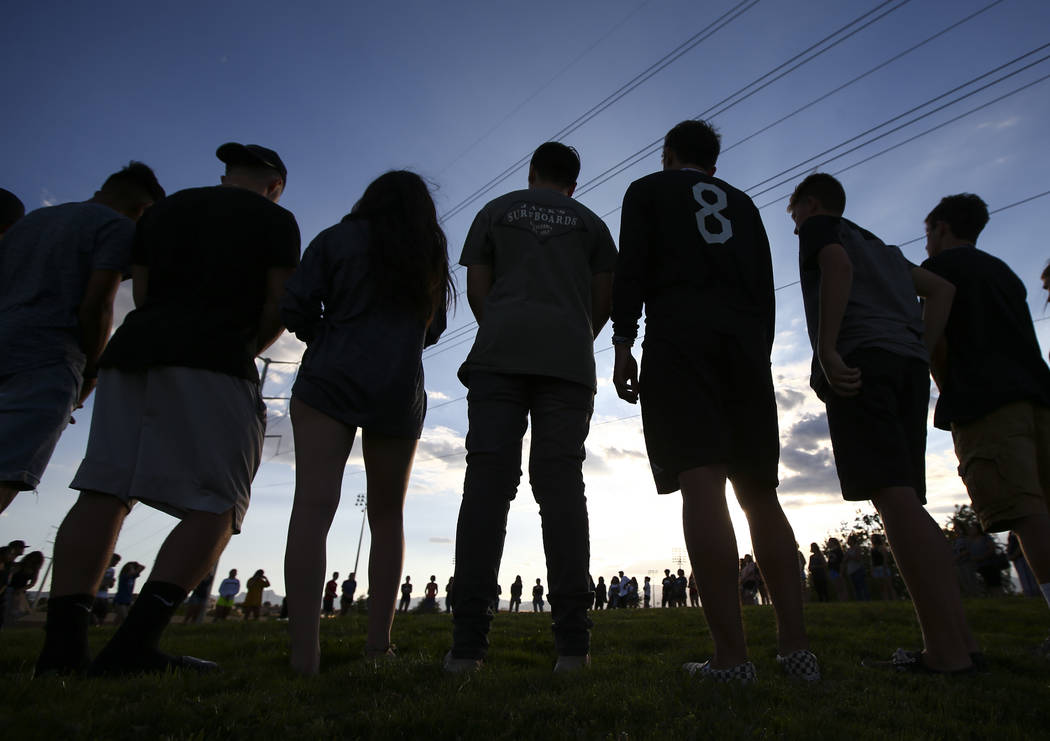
(692, 249)
(208, 251)
(993, 354)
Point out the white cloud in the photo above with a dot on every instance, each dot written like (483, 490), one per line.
(437, 396)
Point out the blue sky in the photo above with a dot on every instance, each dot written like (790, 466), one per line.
(459, 92)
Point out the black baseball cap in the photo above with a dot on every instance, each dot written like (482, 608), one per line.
(233, 153)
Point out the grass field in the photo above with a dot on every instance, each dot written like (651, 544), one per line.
(634, 689)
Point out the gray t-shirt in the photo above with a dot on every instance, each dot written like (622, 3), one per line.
(46, 260)
(883, 311)
(544, 248)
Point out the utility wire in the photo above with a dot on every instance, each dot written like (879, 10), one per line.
(669, 58)
(638, 156)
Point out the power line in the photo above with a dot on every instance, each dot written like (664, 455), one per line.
(545, 85)
(670, 57)
(808, 162)
(634, 159)
(761, 82)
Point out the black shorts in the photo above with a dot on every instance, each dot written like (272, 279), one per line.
(706, 404)
(879, 436)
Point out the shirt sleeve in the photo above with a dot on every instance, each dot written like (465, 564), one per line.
(815, 234)
(113, 245)
(477, 249)
(766, 287)
(604, 255)
(285, 242)
(306, 291)
(631, 265)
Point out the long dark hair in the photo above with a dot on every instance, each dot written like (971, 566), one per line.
(406, 243)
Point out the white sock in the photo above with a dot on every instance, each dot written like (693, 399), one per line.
(1046, 592)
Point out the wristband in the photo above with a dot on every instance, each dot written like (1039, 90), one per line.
(620, 340)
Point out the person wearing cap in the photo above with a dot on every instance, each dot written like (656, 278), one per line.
(179, 418)
(60, 267)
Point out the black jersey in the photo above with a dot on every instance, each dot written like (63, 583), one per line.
(692, 249)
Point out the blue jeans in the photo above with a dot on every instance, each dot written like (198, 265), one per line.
(499, 407)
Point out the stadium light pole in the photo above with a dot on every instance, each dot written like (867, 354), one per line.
(362, 502)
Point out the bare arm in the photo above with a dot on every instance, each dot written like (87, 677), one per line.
(836, 279)
(601, 300)
(95, 318)
(939, 295)
(270, 324)
(479, 284)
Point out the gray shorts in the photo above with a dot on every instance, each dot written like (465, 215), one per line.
(178, 439)
(34, 410)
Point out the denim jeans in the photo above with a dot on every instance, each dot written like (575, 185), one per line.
(498, 410)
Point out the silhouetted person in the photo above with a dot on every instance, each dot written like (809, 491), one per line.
(346, 599)
(197, 602)
(647, 591)
(430, 593)
(448, 593)
(229, 588)
(11, 210)
(372, 292)
(600, 594)
(994, 384)
(331, 589)
(537, 597)
(59, 271)
(253, 597)
(539, 271)
(126, 579)
(22, 578)
(694, 251)
(406, 595)
(667, 589)
(871, 342)
(515, 595)
(614, 592)
(102, 603)
(818, 572)
(178, 421)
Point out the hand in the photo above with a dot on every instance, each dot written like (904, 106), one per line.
(845, 381)
(625, 375)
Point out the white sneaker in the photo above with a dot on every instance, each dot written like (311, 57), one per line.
(741, 673)
(453, 665)
(572, 663)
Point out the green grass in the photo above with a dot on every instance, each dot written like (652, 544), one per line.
(634, 690)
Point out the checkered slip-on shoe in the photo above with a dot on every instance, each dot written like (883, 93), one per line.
(801, 664)
(740, 674)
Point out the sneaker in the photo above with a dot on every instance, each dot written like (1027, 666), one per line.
(375, 654)
(151, 663)
(980, 663)
(910, 662)
(572, 663)
(801, 664)
(453, 665)
(741, 673)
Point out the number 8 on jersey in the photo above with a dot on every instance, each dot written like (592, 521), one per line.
(725, 232)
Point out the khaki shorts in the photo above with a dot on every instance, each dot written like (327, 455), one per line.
(1004, 460)
(178, 439)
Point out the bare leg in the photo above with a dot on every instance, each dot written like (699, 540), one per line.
(712, 549)
(388, 461)
(925, 562)
(322, 446)
(7, 495)
(1034, 534)
(775, 551)
(192, 547)
(85, 542)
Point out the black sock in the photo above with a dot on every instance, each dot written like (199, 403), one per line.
(65, 634)
(136, 641)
